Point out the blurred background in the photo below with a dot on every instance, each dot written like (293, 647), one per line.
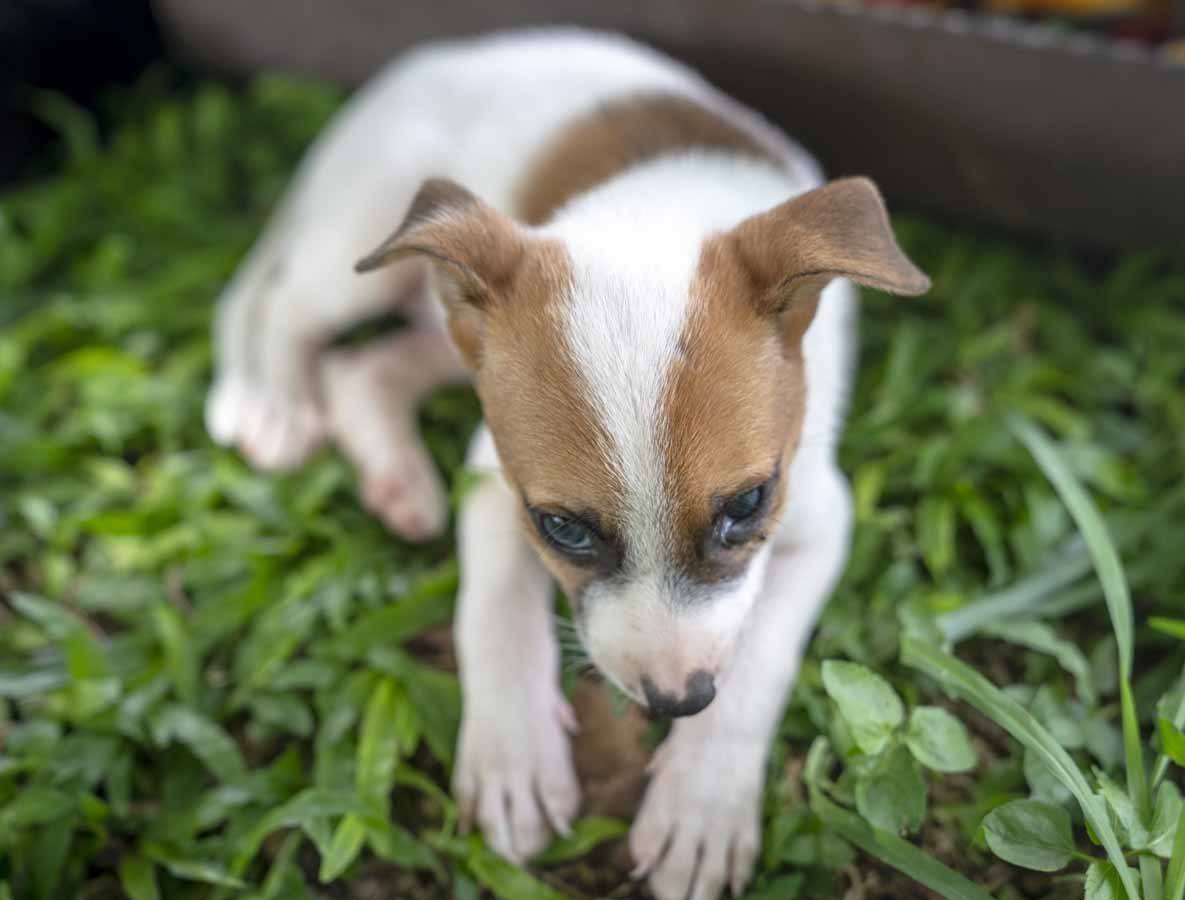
(207, 671)
(1056, 117)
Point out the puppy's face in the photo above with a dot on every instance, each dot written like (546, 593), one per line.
(647, 409)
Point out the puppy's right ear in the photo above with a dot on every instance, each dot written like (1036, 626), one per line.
(474, 249)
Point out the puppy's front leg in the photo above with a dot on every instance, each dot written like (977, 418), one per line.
(699, 825)
(514, 772)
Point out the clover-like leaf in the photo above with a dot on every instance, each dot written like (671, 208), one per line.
(939, 741)
(1030, 834)
(867, 702)
(892, 794)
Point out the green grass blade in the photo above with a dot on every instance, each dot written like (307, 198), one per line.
(1178, 719)
(897, 852)
(1174, 888)
(967, 683)
(1023, 598)
(1115, 592)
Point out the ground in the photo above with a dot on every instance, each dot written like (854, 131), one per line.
(220, 683)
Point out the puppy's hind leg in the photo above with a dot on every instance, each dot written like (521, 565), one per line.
(371, 395)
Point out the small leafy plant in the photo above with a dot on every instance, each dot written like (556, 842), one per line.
(1136, 826)
(885, 752)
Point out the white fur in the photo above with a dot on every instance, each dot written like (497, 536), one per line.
(476, 112)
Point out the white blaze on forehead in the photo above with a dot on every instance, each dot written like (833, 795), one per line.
(622, 322)
(635, 246)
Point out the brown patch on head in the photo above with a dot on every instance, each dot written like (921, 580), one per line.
(615, 136)
(503, 290)
(734, 411)
(737, 397)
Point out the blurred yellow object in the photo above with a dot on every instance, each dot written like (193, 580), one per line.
(1085, 8)
(1175, 50)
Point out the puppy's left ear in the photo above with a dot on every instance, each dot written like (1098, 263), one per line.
(839, 230)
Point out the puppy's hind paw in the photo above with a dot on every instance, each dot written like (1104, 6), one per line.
(409, 500)
(272, 432)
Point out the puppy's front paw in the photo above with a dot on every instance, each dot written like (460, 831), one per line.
(699, 826)
(514, 773)
(271, 429)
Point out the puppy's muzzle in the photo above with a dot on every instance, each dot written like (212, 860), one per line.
(698, 693)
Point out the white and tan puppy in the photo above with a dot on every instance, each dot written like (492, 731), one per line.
(650, 289)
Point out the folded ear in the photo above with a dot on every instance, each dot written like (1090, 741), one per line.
(474, 249)
(839, 230)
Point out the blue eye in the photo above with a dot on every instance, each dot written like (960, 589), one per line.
(742, 506)
(566, 534)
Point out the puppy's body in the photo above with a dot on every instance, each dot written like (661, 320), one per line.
(662, 361)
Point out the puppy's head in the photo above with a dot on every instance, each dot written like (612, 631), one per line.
(646, 406)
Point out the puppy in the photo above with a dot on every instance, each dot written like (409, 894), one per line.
(650, 288)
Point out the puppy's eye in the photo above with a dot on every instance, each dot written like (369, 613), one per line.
(741, 516)
(566, 534)
(743, 506)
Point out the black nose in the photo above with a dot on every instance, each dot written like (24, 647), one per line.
(700, 691)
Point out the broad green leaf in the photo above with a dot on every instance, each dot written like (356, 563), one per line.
(867, 702)
(378, 745)
(897, 852)
(586, 834)
(137, 876)
(347, 843)
(205, 738)
(1103, 882)
(939, 741)
(891, 795)
(1030, 834)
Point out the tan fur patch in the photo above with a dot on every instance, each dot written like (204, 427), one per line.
(618, 135)
(734, 409)
(552, 445)
(735, 405)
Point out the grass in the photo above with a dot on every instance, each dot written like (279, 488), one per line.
(215, 683)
